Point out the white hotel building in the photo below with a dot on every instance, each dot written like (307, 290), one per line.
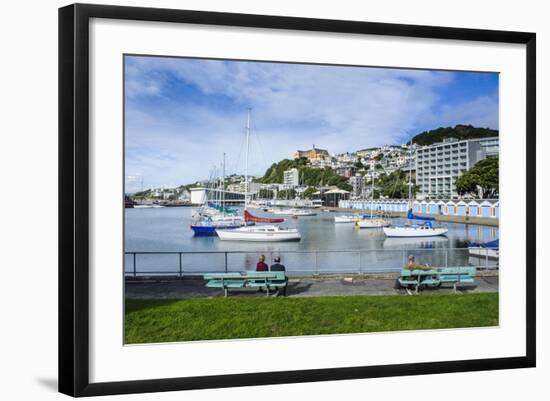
(439, 165)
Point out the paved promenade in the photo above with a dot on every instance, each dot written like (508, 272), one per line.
(299, 287)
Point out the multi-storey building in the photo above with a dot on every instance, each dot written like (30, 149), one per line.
(438, 166)
(291, 177)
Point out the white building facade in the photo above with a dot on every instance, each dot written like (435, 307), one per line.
(438, 166)
(291, 177)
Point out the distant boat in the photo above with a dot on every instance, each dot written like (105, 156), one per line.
(488, 250)
(303, 212)
(294, 212)
(415, 230)
(128, 203)
(372, 223)
(264, 233)
(346, 219)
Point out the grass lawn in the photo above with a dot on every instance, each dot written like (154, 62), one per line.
(222, 318)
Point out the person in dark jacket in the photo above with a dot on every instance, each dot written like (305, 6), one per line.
(278, 267)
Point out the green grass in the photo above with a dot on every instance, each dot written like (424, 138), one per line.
(222, 318)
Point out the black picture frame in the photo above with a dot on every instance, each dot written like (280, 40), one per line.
(74, 201)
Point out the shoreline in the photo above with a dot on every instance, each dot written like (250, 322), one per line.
(482, 221)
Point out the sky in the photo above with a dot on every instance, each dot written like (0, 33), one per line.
(182, 114)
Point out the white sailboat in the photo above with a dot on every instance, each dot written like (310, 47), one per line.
(425, 229)
(346, 219)
(258, 233)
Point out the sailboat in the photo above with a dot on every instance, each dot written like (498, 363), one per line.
(260, 233)
(372, 222)
(426, 229)
(488, 250)
(213, 216)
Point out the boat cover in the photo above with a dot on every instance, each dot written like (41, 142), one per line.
(490, 244)
(413, 216)
(250, 217)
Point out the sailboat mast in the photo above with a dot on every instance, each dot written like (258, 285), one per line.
(410, 174)
(371, 193)
(223, 185)
(246, 160)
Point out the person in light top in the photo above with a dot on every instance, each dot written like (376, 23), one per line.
(412, 265)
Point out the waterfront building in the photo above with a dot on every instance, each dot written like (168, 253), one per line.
(313, 154)
(331, 196)
(486, 208)
(291, 177)
(439, 165)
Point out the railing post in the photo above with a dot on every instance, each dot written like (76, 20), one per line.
(446, 257)
(316, 267)
(135, 270)
(486, 258)
(360, 262)
(181, 267)
(225, 260)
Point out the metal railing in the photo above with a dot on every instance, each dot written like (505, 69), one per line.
(303, 262)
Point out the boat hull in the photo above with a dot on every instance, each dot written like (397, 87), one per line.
(480, 252)
(372, 223)
(410, 232)
(205, 231)
(345, 219)
(250, 236)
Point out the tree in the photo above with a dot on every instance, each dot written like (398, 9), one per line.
(308, 193)
(394, 185)
(266, 194)
(483, 177)
(458, 132)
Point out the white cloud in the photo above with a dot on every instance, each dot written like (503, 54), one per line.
(294, 106)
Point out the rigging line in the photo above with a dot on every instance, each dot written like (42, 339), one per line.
(238, 159)
(260, 145)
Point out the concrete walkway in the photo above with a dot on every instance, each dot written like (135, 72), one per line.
(303, 287)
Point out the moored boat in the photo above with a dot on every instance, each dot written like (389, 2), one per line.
(346, 219)
(374, 222)
(263, 233)
(415, 230)
(488, 250)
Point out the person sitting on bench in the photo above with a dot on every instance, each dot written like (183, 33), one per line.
(412, 265)
(278, 267)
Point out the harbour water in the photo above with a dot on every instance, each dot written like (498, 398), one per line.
(324, 247)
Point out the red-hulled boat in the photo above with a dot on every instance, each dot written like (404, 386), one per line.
(248, 217)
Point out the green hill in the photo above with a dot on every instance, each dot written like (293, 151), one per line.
(310, 176)
(459, 132)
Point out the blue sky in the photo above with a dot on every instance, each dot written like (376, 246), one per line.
(182, 114)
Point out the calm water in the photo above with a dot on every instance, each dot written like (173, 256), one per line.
(325, 246)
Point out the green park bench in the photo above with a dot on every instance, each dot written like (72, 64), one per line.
(435, 277)
(266, 280)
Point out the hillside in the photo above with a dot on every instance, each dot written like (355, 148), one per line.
(310, 176)
(459, 132)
